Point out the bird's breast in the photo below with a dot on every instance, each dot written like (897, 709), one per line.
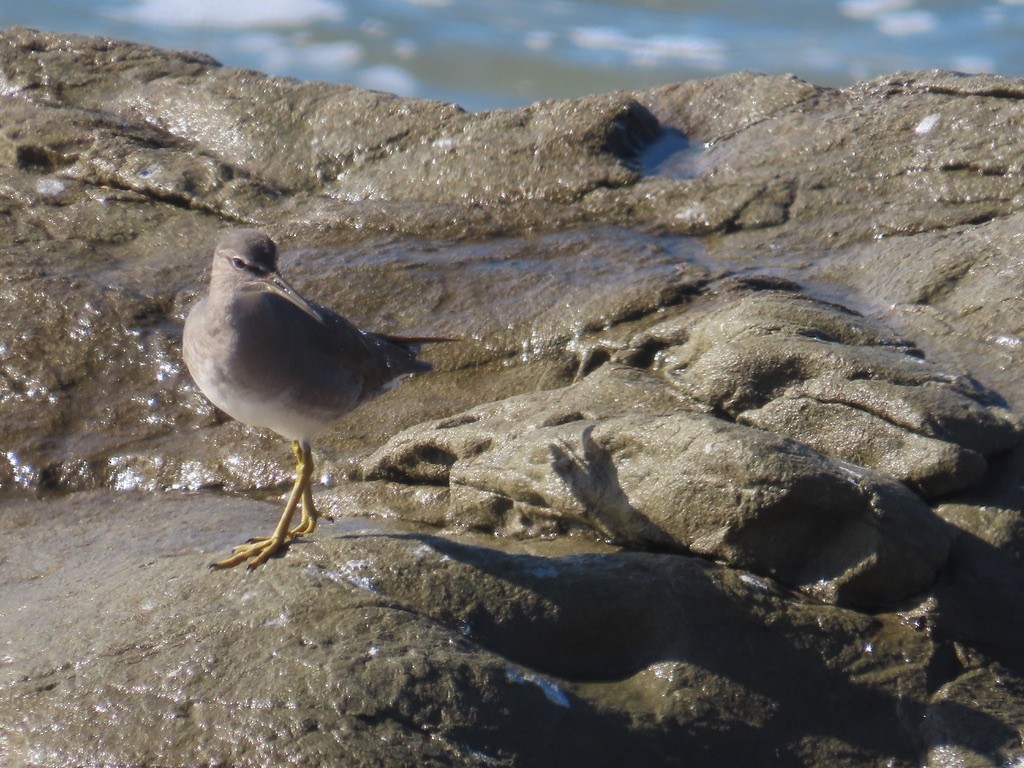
(263, 365)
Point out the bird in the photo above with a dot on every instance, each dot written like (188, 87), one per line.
(272, 359)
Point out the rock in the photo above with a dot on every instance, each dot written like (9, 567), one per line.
(377, 644)
(846, 337)
(976, 720)
(958, 288)
(907, 153)
(596, 455)
(844, 386)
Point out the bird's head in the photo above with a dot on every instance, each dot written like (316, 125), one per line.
(246, 260)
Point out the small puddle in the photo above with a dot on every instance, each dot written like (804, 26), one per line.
(671, 155)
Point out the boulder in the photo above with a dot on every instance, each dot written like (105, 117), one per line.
(751, 497)
(597, 457)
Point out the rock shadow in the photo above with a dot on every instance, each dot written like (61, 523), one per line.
(723, 668)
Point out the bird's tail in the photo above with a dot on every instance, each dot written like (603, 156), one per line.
(416, 341)
(412, 345)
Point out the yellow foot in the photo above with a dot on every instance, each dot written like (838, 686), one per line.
(310, 515)
(257, 549)
(307, 524)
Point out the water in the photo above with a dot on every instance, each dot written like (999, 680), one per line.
(501, 53)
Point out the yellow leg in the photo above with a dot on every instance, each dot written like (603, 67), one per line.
(260, 549)
(309, 512)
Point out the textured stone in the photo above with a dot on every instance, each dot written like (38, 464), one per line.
(598, 457)
(976, 720)
(846, 340)
(844, 386)
(375, 644)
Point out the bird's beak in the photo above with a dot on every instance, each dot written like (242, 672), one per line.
(280, 286)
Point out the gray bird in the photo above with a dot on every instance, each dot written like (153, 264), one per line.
(270, 358)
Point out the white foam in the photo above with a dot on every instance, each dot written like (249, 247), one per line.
(821, 58)
(598, 37)
(702, 51)
(539, 39)
(927, 124)
(975, 64)
(230, 14)
(387, 77)
(281, 54)
(994, 15)
(405, 48)
(907, 23)
(343, 54)
(869, 9)
(657, 49)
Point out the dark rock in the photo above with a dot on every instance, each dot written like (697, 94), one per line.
(976, 720)
(846, 341)
(377, 644)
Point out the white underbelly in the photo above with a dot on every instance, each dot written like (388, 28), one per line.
(277, 414)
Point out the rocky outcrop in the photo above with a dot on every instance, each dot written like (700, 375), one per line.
(747, 498)
(606, 454)
(383, 645)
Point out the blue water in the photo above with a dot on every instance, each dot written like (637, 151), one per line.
(495, 53)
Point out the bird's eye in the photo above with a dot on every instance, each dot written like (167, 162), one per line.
(238, 263)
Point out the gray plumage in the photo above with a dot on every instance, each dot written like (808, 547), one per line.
(270, 358)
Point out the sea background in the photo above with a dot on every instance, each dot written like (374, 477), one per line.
(487, 54)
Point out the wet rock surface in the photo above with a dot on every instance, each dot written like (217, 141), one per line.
(383, 645)
(752, 498)
(844, 386)
(604, 454)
